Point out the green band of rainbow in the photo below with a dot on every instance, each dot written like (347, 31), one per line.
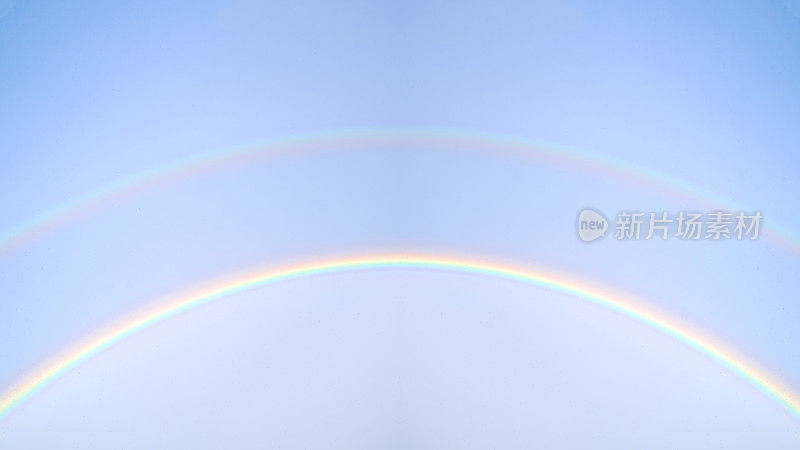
(614, 301)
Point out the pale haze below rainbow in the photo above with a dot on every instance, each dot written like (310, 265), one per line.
(364, 138)
(620, 303)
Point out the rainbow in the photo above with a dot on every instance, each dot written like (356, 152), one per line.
(368, 138)
(622, 304)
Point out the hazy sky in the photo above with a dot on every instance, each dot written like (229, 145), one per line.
(93, 91)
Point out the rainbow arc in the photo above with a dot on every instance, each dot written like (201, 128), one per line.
(607, 165)
(619, 303)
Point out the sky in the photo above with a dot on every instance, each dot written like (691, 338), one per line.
(95, 91)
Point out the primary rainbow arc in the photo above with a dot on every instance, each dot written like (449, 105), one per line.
(172, 306)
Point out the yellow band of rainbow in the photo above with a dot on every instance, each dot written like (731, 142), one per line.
(604, 298)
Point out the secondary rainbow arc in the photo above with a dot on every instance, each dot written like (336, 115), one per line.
(622, 304)
(650, 178)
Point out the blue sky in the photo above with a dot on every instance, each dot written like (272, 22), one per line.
(95, 91)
